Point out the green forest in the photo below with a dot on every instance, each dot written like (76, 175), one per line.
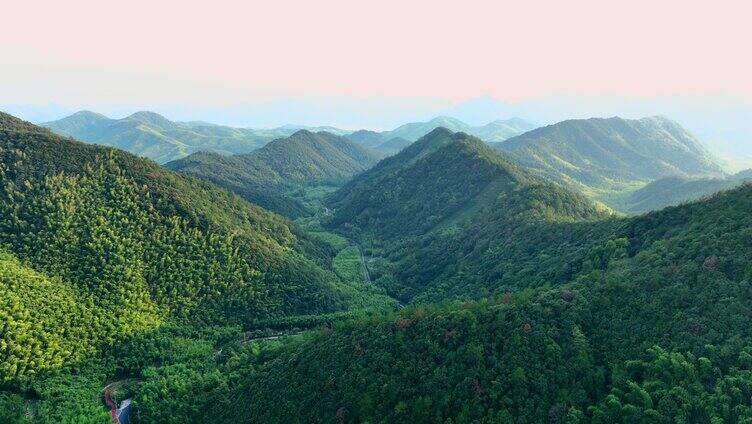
(310, 282)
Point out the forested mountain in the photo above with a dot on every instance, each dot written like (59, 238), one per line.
(437, 206)
(495, 131)
(648, 324)
(524, 301)
(671, 191)
(265, 175)
(442, 176)
(102, 242)
(367, 138)
(602, 156)
(151, 135)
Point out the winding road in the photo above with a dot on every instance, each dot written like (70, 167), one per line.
(120, 413)
(123, 412)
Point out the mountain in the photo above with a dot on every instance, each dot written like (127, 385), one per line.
(415, 130)
(501, 130)
(495, 131)
(525, 302)
(448, 191)
(671, 191)
(98, 244)
(441, 176)
(151, 135)
(646, 325)
(263, 176)
(602, 156)
(367, 138)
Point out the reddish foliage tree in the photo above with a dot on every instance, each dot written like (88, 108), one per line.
(403, 323)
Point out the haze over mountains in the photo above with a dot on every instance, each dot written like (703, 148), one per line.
(606, 159)
(722, 122)
(151, 135)
(391, 212)
(498, 130)
(605, 155)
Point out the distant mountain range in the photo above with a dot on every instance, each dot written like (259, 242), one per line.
(495, 131)
(263, 176)
(151, 135)
(606, 159)
(391, 142)
(605, 156)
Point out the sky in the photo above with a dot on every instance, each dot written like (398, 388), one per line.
(225, 52)
(376, 64)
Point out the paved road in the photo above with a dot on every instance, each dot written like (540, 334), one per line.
(123, 412)
(120, 414)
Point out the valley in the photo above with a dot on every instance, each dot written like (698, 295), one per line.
(317, 279)
(391, 212)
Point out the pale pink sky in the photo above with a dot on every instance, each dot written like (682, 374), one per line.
(221, 52)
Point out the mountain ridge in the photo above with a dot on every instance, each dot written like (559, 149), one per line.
(435, 191)
(263, 176)
(601, 155)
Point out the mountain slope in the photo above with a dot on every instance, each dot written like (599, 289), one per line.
(151, 135)
(263, 176)
(140, 245)
(671, 191)
(441, 203)
(604, 155)
(648, 327)
(440, 176)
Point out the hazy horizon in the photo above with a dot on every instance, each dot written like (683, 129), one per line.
(360, 65)
(85, 52)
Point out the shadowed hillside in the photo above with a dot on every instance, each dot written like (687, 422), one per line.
(264, 176)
